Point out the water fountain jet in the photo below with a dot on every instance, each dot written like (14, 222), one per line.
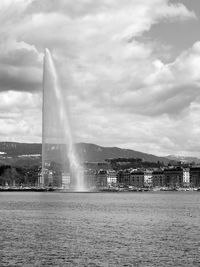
(57, 132)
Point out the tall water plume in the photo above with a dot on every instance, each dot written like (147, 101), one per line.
(57, 138)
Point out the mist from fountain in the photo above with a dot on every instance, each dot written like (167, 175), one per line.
(56, 116)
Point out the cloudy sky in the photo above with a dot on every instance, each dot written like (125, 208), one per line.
(131, 70)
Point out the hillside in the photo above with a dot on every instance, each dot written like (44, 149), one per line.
(91, 152)
(13, 149)
(87, 152)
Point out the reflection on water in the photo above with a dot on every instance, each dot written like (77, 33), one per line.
(102, 229)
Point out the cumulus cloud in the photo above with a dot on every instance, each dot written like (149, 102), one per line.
(120, 91)
(20, 66)
(20, 116)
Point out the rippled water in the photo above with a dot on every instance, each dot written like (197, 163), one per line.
(102, 229)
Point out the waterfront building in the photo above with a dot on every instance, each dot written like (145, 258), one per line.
(90, 178)
(101, 178)
(158, 178)
(123, 177)
(111, 178)
(174, 177)
(186, 177)
(65, 181)
(45, 179)
(195, 176)
(137, 179)
(120, 177)
(57, 178)
(148, 178)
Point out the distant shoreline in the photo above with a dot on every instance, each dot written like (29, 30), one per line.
(25, 190)
(139, 190)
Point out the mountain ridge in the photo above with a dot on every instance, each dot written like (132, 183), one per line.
(87, 151)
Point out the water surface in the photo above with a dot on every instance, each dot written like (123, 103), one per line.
(100, 229)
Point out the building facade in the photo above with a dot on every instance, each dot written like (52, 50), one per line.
(174, 177)
(137, 179)
(148, 178)
(158, 178)
(90, 177)
(123, 177)
(101, 179)
(111, 178)
(186, 177)
(195, 177)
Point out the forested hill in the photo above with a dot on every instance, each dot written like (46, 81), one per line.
(13, 149)
(88, 152)
(91, 152)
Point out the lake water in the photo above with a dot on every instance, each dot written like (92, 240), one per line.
(100, 229)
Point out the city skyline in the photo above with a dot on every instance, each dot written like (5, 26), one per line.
(131, 71)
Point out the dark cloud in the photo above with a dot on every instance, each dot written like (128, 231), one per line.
(20, 79)
(20, 58)
(20, 67)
